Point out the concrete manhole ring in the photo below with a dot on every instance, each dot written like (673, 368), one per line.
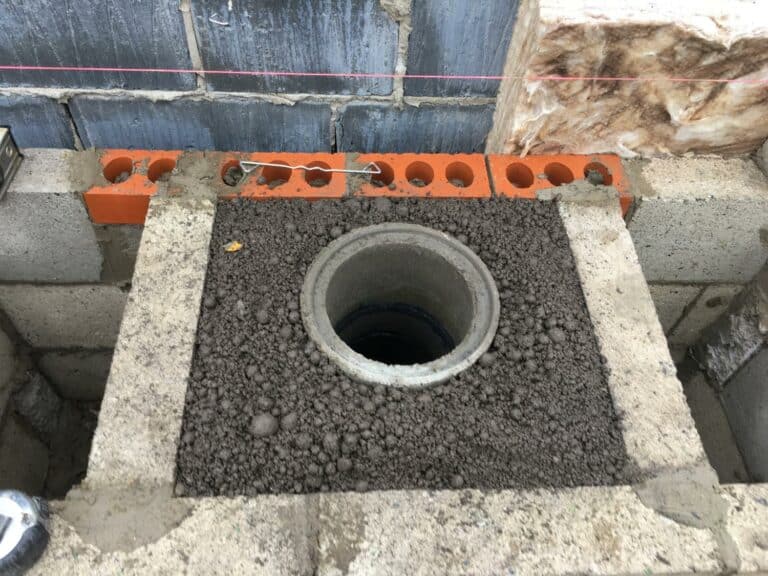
(400, 305)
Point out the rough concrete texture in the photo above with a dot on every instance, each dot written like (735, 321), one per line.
(107, 33)
(77, 375)
(762, 157)
(745, 399)
(7, 368)
(713, 302)
(575, 531)
(45, 230)
(23, 457)
(714, 430)
(458, 38)
(699, 219)
(658, 430)
(671, 301)
(747, 523)
(267, 412)
(146, 387)
(355, 36)
(38, 404)
(736, 336)
(634, 39)
(268, 536)
(67, 316)
(203, 123)
(119, 246)
(36, 121)
(379, 127)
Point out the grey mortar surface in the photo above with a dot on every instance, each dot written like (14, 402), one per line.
(266, 412)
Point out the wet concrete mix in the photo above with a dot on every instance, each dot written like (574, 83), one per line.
(266, 412)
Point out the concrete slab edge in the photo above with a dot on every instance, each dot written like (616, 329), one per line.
(658, 430)
(144, 398)
(601, 531)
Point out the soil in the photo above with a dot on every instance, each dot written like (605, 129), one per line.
(266, 412)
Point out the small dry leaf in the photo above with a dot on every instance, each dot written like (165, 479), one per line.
(233, 246)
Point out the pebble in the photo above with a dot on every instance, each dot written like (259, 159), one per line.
(289, 421)
(263, 425)
(557, 335)
(487, 359)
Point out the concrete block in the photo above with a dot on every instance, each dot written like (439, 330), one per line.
(355, 36)
(379, 127)
(699, 219)
(36, 121)
(762, 157)
(578, 531)
(104, 33)
(658, 430)
(745, 399)
(80, 375)
(747, 525)
(109, 534)
(49, 316)
(148, 381)
(45, 232)
(727, 344)
(39, 405)
(120, 246)
(714, 430)
(458, 38)
(7, 368)
(712, 303)
(23, 458)
(670, 301)
(223, 123)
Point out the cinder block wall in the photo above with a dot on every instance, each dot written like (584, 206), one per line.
(63, 279)
(182, 110)
(700, 229)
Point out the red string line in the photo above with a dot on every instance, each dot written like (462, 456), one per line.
(274, 73)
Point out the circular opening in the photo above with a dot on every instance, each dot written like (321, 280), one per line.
(161, 169)
(386, 177)
(384, 302)
(231, 173)
(519, 175)
(318, 178)
(598, 174)
(419, 174)
(274, 176)
(118, 170)
(459, 174)
(400, 304)
(558, 174)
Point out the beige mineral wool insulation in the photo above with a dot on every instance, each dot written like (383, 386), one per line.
(643, 39)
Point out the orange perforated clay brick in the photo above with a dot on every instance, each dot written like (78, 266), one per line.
(279, 180)
(130, 177)
(422, 175)
(129, 180)
(523, 177)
